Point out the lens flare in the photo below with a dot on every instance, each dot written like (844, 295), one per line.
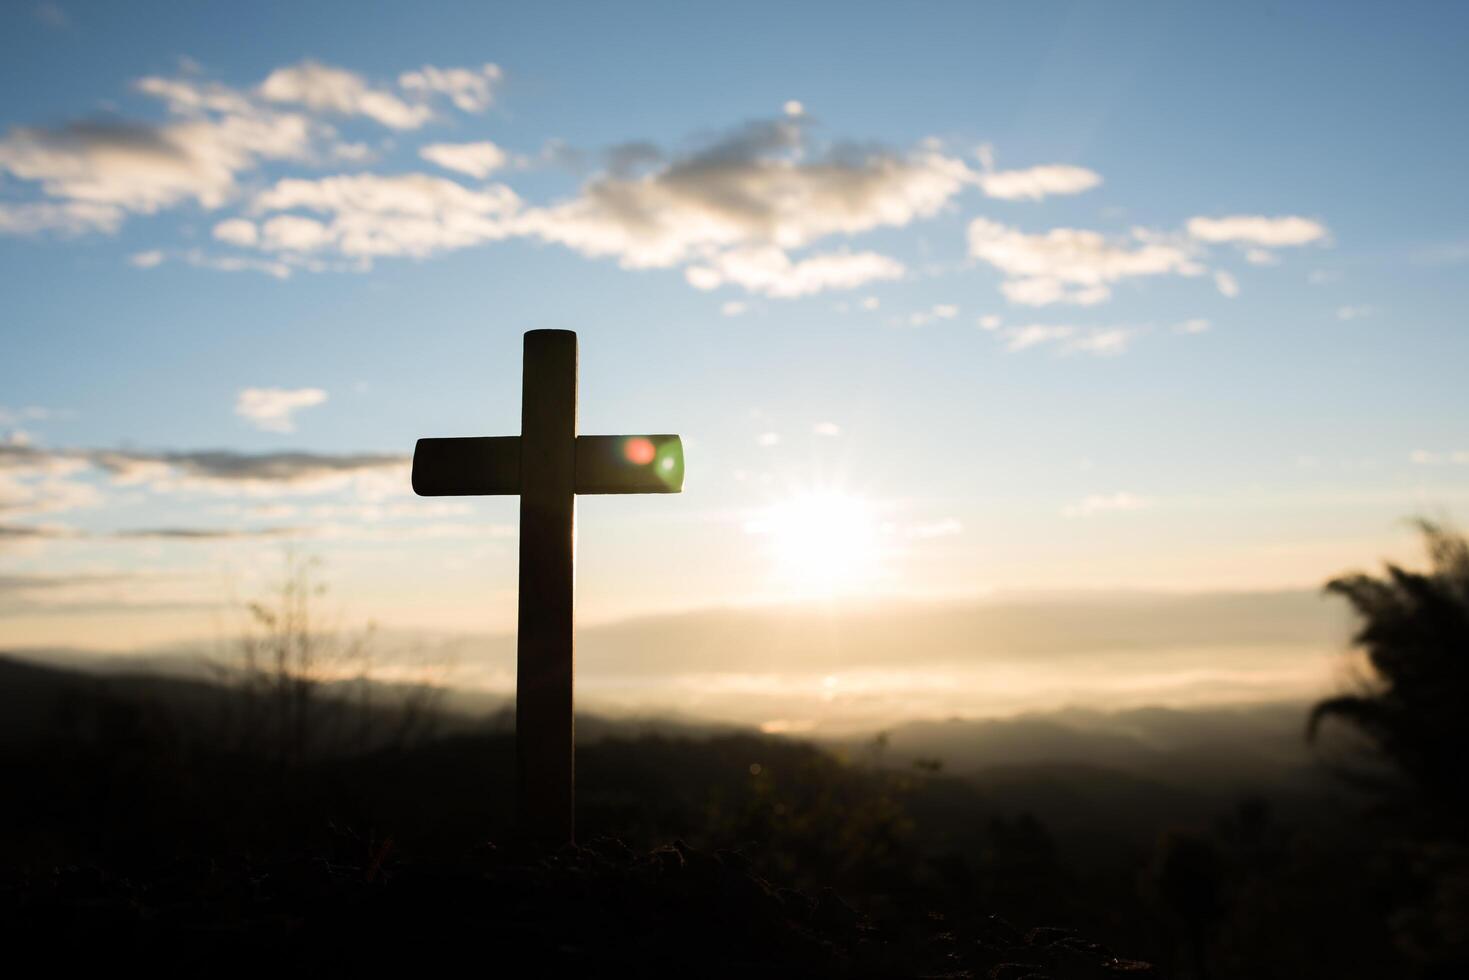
(639, 451)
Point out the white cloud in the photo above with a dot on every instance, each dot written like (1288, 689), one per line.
(370, 215)
(325, 88)
(794, 108)
(939, 311)
(146, 260)
(771, 272)
(30, 413)
(1071, 265)
(373, 476)
(1106, 503)
(1254, 229)
(95, 171)
(759, 189)
(1035, 183)
(768, 439)
(237, 263)
(1104, 341)
(475, 159)
(1195, 326)
(237, 231)
(271, 409)
(829, 429)
(66, 217)
(1456, 457)
(1261, 256)
(1354, 312)
(733, 308)
(1033, 335)
(989, 322)
(470, 89)
(1226, 284)
(1100, 341)
(869, 303)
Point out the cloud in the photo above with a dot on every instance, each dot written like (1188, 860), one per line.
(1195, 326)
(1226, 283)
(771, 272)
(328, 89)
(97, 170)
(371, 476)
(1033, 335)
(237, 263)
(65, 217)
(1106, 503)
(1101, 341)
(1456, 457)
(829, 429)
(237, 231)
(470, 89)
(1071, 265)
(1261, 256)
(368, 215)
(1354, 312)
(205, 533)
(146, 260)
(30, 413)
(733, 207)
(1254, 229)
(271, 409)
(733, 308)
(768, 439)
(475, 159)
(939, 311)
(1035, 183)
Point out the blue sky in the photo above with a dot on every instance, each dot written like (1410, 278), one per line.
(1094, 297)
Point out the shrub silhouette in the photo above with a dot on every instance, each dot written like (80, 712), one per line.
(1415, 634)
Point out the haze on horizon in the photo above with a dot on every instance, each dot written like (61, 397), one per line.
(1024, 356)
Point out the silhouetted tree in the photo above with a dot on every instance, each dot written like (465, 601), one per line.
(1415, 634)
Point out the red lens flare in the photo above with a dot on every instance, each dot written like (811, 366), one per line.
(639, 451)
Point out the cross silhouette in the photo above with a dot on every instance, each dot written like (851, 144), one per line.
(547, 464)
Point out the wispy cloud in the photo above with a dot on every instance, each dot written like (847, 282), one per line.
(1106, 503)
(325, 88)
(1035, 183)
(478, 160)
(469, 89)
(1072, 265)
(1453, 457)
(1254, 229)
(1102, 341)
(274, 409)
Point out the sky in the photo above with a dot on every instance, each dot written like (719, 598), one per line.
(949, 303)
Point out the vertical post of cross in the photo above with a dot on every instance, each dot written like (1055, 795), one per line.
(544, 735)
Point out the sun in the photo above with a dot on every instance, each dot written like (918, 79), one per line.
(821, 542)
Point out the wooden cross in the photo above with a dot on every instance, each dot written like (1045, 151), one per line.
(547, 464)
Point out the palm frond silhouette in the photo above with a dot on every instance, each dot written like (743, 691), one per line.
(1415, 634)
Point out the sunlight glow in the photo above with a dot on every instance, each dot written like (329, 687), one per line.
(821, 542)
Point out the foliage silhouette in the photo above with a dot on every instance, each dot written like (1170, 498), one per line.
(1415, 634)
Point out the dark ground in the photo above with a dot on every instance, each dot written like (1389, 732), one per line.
(171, 823)
(599, 910)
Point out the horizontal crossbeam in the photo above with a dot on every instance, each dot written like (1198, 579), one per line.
(489, 465)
